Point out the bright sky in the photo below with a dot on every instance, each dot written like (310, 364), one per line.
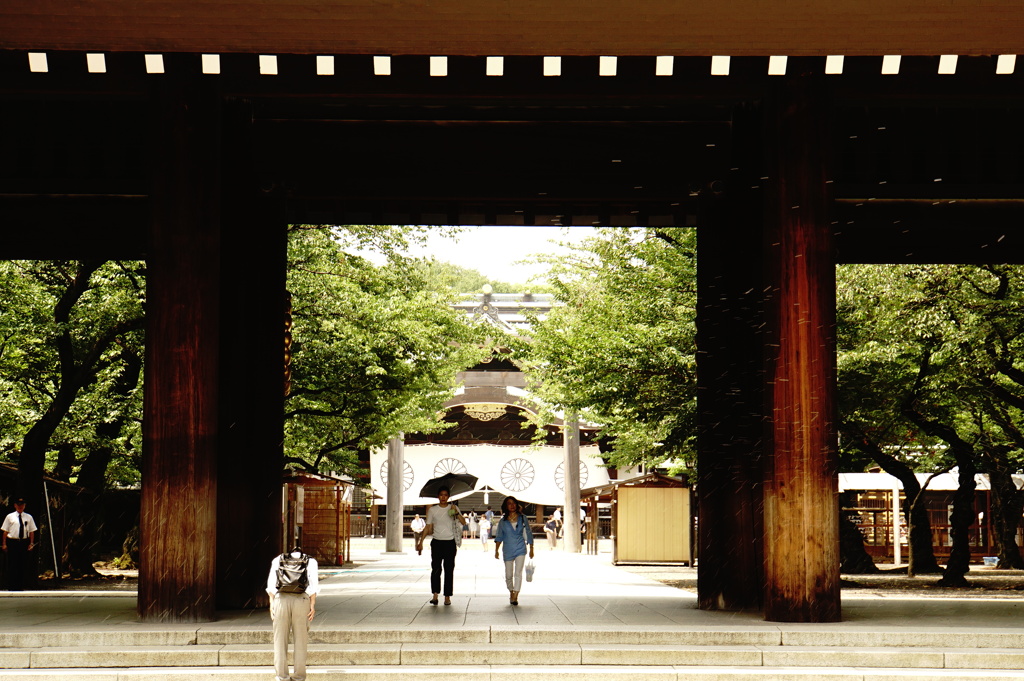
(494, 251)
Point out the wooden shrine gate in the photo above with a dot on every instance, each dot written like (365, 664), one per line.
(131, 133)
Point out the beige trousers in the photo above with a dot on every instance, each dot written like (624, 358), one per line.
(290, 613)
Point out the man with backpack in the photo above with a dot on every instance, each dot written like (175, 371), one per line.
(293, 584)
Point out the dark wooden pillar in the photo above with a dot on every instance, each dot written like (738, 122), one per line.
(800, 492)
(730, 376)
(252, 321)
(179, 477)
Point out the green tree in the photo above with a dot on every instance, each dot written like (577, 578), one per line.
(877, 363)
(619, 349)
(465, 280)
(928, 366)
(375, 348)
(69, 369)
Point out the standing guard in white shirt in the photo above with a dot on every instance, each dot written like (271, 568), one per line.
(19, 537)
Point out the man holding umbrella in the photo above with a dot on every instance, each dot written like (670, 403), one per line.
(444, 524)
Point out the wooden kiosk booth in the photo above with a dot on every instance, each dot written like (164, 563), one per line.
(651, 519)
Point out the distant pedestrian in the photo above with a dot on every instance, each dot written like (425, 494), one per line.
(417, 526)
(551, 531)
(514, 534)
(293, 584)
(487, 526)
(19, 537)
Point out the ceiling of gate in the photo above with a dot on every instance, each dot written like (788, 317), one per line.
(918, 154)
(519, 27)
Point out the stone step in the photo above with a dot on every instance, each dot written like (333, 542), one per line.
(519, 673)
(519, 635)
(547, 655)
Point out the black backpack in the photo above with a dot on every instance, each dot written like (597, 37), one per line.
(291, 574)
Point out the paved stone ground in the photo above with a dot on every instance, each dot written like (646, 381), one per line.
(985, 582)
(389, 592)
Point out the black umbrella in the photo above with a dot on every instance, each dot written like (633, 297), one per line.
(457, 483)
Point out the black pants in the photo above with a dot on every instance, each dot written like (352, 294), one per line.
(442, 554)
(17, 563)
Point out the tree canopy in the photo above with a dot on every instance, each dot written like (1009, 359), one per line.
(619, 349)
(930, 378)
(69, 369)
(376, 350)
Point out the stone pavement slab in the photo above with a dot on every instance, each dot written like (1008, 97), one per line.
(574, 598)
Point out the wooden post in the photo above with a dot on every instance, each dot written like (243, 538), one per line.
(396, 490)
(251, 455)
(571, 517)
(178, 526)
(800, 493)
(730, 376)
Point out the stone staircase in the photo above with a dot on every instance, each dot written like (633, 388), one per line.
(507, 653)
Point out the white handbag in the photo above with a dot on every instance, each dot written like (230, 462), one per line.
(457, 529)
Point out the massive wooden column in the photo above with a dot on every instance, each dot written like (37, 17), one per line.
(179, 478)
(250, 458)
(800, 486)
(730, 376)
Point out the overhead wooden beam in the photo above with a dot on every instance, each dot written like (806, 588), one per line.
(964, 231)
(58, 228)
(447, 27)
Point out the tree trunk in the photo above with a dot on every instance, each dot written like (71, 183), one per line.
(66, 460)
(129, 558)
(959, 563)
(922, 559)
(79, 553)
(74, 373)
(854, 558)
(962, 518)
(922, 552)
(1007, 506)
(32, 457)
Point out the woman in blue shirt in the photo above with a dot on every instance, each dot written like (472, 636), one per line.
(514, 534)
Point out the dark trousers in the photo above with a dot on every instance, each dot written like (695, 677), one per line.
(442, 554)
(17, 563)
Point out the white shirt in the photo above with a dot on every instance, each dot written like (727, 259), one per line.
(418, 525)
(444, 526)
(312, 573)
(10, 525)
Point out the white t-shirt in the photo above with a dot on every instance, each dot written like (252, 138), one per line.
(444, 526)
(312, 574)
(418, 525)
(11, 526)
